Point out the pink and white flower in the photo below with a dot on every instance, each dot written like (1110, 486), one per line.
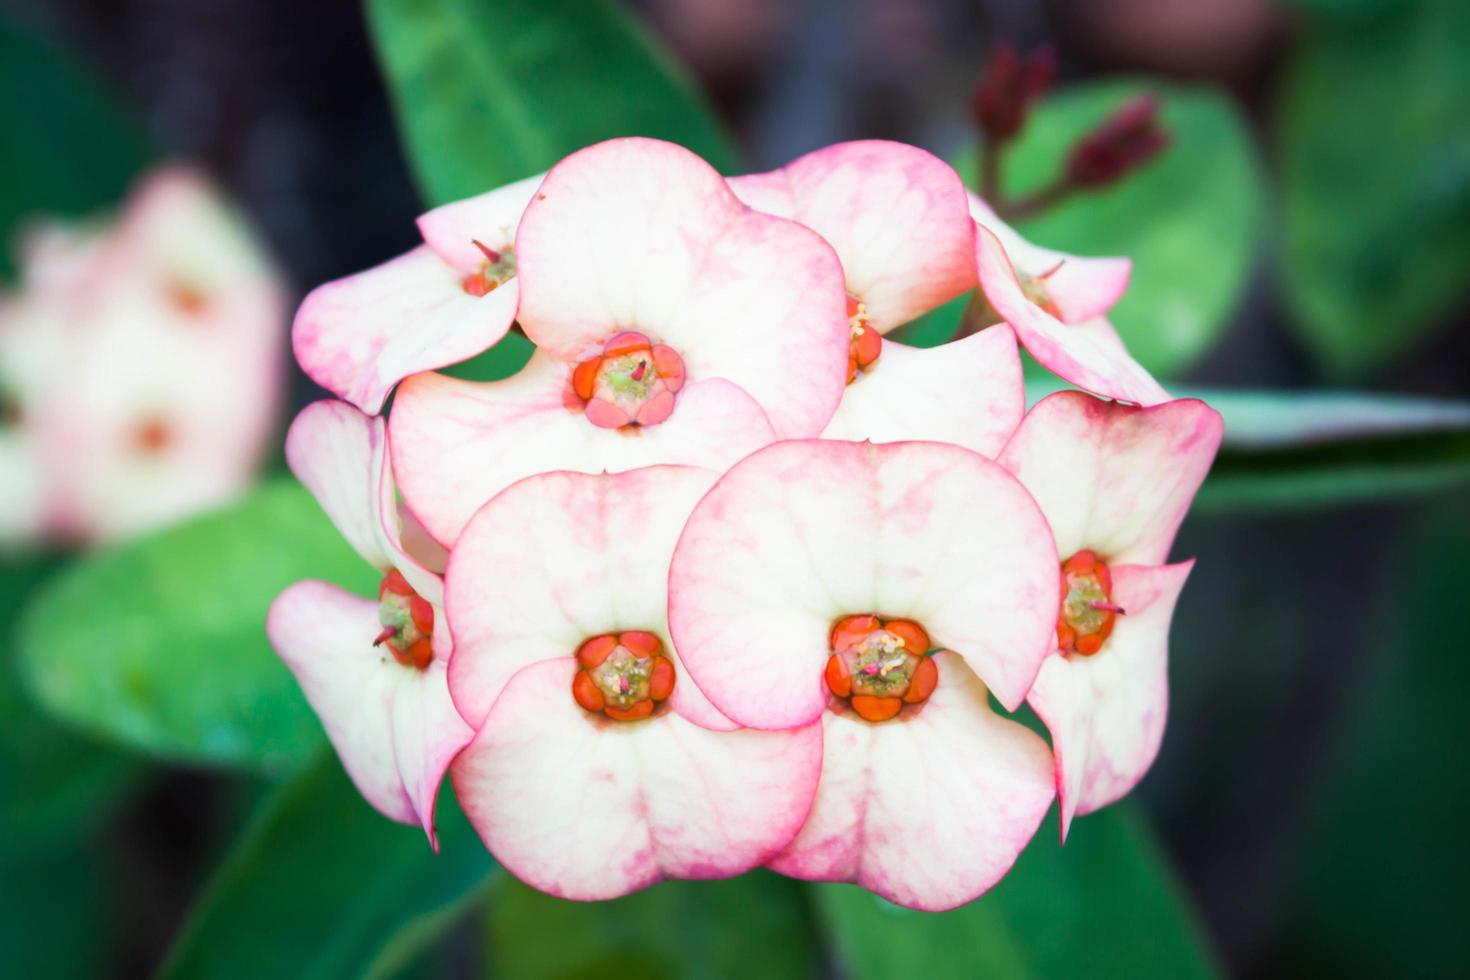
(1057, 304)
(374, 670)
(599, 768)
(674, 325)
(440, 303)
(1115, 482)
(885, 590)
(140, 366)
(899, 219)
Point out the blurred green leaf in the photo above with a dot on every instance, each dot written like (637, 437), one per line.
(55, 921)
(1377, 864)
(500, 361)
(490, 91)
(1191, 221)
(65, 146)
(1374, 131)
(1106, 905)
(52, 781)
(160, 643)
(322, 886)
(757, 925)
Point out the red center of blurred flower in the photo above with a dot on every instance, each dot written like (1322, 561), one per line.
(632, 382)
(1087, 612)
(498, 269)
(187, 298)
(152, 437)
(880, 665)
(866, 343)
(623, 675)
(408, 622)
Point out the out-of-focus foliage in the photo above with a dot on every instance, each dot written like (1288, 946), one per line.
(757, 925)
(1379, 857)
(1191, 220)
(489, 91)
(321, 886)
(65, 147)
(160, 643)
(1374, 129)
(54, 925)
(1105, 905)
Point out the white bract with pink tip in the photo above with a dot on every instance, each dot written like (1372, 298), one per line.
(731, 578)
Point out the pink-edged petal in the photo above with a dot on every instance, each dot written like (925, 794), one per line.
(1084, 357)
(393, 726)
(458, 443)
(586, 808)
(969, 392)
(930, 809)
(897, 215)
(1106, 712)
(805, 532)
(452, 230)
(557, 559)
(1081, 287)
(336, 452)
(359, 336)
(1113, 478)
(637, 234)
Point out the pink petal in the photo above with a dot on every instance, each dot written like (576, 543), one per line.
(361, 335)
(458, 443)
(590, 555)
(636, 234)
(588, 809)
(1106, 712)
(805, 532)
(897, 215)
(393, 726)
(969, 393)
(928, 810)
(1083, 357)
(1082, 288)
(451, 230)
(1113, 478)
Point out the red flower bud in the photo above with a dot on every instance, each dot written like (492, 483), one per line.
(1121, 143)
(1008, 88)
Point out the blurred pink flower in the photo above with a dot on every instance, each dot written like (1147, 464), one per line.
(443, 302)
(1114, 482)
(140, 366)
(673, 325)
(374, 670)
(599, 767)
(817, 580)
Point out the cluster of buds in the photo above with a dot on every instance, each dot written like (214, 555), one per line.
(724, 577)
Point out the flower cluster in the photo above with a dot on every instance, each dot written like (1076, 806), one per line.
(140, 366)
(725, 577)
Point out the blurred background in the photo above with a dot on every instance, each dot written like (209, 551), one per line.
(1307, 229)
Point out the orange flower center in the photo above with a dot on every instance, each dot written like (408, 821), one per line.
(866, 343)
(880, 665)
(498, 268)
(633, 382)
(1087, 613)
(624, 676)
(407, 620)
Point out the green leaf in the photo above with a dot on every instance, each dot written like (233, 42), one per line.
(757, 925)
(67, 147)
(1191, 221)
(160, 643)
(1106, 905)
(52, 782)
(321, 886)
(490, 91)
(1374, 131)
(1376, 866)
(56, 904)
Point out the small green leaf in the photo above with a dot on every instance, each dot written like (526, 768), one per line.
(1106, 905)
(1191, 220)
(160, 643)
(490, 91)
(321, 886)
(757, 925)
(1374, 130)
(67, 147)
